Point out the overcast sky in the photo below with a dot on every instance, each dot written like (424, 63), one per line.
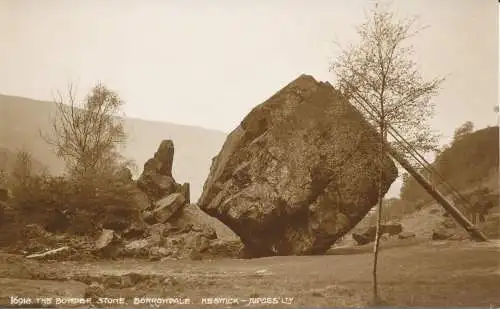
(208, 63)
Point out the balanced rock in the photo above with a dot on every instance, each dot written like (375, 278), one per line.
(298, 173)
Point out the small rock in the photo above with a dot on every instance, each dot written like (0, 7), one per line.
(225, 248)
(134, 231)
(105, 240)
(457, 237)
(441, 234)
(406, 235)
(170, 281)
(148, 217)
(94, 290)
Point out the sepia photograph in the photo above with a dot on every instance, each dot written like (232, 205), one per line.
(251, 153)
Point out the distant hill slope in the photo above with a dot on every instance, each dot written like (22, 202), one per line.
(468, 162)
(22, 118)
(8, 160)
(471, 162)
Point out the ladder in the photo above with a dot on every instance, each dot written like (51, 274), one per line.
(435, 189)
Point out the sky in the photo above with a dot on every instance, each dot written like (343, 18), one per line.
(208, 63)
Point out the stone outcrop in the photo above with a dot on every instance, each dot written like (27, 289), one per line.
(298, 173)
(175, 228)
(156, 179)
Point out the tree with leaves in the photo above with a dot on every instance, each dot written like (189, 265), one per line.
(465, 129)
(379, 77)
(87, 134)
(21, 174)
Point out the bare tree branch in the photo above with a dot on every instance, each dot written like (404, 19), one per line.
(86, 134)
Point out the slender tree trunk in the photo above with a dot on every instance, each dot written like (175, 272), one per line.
(378, 234)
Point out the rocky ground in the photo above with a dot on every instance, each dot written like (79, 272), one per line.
(413, 272)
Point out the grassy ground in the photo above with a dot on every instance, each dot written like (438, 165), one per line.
(412, 273)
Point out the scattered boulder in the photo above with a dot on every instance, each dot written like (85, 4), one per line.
(361, 239)
(298, 173)
(369, 235)
(187, 235)
(137, 248)
(442, 234)
(34, 230)
(107, 244)
(105, 239)
(166, 208)
(193, 219)
(135, 230)
(457, 237)
(94, 290)
(225, 248)
(406, 235)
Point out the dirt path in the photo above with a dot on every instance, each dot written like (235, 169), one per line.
(413, 274)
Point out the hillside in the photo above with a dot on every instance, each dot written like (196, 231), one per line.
(469, 162)
(195, 147)
(8, 160)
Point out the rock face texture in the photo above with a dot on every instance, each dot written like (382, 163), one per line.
(175, 229)
(298, 173)
(156, 179)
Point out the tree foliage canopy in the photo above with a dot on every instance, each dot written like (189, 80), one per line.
(87, 134)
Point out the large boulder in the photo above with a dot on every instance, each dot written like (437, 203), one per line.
(298, 173)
